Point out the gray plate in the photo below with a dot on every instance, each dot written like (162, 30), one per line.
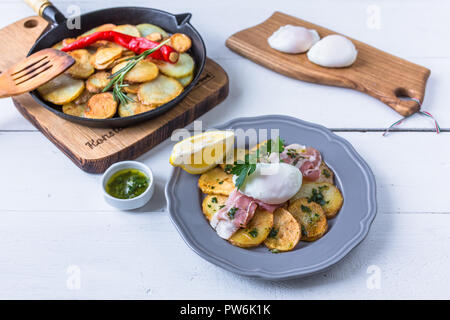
(353, 177)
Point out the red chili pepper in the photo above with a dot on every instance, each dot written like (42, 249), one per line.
(136, 44)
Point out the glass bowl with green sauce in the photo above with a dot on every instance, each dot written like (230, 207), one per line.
(128, 185)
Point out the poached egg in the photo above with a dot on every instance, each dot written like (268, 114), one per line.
(293, 39)
(334, 51)
(272, 183)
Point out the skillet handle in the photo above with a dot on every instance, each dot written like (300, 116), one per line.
(47, 10)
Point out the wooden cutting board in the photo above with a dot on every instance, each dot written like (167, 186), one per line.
(377, 73)
(95, 149)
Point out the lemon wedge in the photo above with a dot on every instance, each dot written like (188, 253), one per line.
(202, 152)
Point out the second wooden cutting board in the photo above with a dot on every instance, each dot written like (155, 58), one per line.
(377, 73)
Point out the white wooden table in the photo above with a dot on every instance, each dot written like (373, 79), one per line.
(59, 239)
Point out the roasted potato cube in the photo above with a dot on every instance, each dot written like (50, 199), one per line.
(311, 217)
(325, 194)
(285, 233)
(101, 106)
(211, 204)
(217, 182)
(256, 231)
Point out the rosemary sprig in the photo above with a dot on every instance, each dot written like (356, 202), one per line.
(118, 77)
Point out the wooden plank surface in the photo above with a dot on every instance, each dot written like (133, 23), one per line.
(377, 73)
(54, 219)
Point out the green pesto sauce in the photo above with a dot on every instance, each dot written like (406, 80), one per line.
(127, 184)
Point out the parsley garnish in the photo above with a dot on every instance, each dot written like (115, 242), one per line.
(275, 251)
(253, 233)
(317, 196)
(232, 212)
(222, 206)
(306, 209)
(326, 173)
(304, 232)
(214, 200)
(242, 170)
(273, 233)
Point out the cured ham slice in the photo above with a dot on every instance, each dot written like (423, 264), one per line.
(237, 213)
(307, 159)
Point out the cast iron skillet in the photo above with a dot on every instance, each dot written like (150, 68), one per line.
(125, 15)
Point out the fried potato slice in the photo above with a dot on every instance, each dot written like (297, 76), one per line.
(184, 66)
(180, 42)
(217, 182)
(82, 68)
(98, 81)
(104, 27)
(128, 29)
(256, 231)
(211, 204)
(325, 194)
(133, 108)
(326, 174)
(144, 71)
(61, 90)
(146, 28)
(238, 154)
(73, 109)
(159, 91)
(83, 98)
(106, 56)
(185, 81)
(101, 106)
(155, 36)
(63, 43)
(132, 88)
(285, 233)
(311, 217)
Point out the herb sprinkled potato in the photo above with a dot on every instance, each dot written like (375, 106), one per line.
(217, 182)
(256, 231)
(326, 174)
(325, 194)
(311, 218)
(285, 233)
(211, 204)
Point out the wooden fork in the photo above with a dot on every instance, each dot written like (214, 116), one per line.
(34, 71)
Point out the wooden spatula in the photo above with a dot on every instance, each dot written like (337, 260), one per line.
(34, 71)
